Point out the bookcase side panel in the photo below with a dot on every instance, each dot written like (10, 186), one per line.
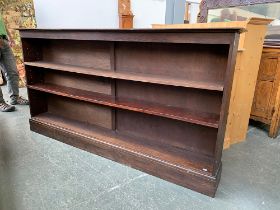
(231, 62)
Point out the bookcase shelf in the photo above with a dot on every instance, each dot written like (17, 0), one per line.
(148, 78)
(156, 100)
(174, 158)
(205, 119)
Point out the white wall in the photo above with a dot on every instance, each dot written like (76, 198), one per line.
(148, 12)
(76, 13)
(95, 13)
(194, 12)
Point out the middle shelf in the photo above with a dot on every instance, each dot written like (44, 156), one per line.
(181, 114)
(141, 77)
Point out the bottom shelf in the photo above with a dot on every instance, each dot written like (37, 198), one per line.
(175, 166)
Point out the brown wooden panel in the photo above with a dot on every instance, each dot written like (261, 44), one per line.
(268, 67)
(81, 111)
(81, 82)
(184, 61)
(262, 99)
(82, 53)
(38, 102)
(188, 98)
(266, 100)
(33, 77)
(32, 49)
(158, 130)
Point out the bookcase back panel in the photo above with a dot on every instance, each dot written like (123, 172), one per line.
(38, 102)
(184, 61)
(34, 75)
(33, 49)
(188, 98)
(78, 53)
(80, 111)
(163, 131)
(81, 82)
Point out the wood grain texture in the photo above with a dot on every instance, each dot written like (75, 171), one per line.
(202, 60)
(126, 21)
(267, 95)
(124, 7)
(245, 82)
(78, 53)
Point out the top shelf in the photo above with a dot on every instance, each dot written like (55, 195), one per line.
(148, 78)
(195, 36)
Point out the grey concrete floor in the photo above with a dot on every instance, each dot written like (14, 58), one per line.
(37, 172)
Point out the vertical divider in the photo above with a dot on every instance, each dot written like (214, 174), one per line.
(113, 82)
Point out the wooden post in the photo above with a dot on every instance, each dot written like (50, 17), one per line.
(125, 14)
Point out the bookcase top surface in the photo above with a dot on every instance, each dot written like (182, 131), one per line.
(198, 36)
(143, 30)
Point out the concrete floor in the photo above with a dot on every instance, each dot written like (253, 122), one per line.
(37, 172)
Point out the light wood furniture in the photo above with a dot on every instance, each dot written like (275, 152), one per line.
(245, 76)
(266, 103)
(156, 100)
(125, 14)
(126, 21)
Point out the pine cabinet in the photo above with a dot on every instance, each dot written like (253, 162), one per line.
(265, 106)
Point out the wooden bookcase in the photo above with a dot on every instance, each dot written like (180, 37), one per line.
(156, 100)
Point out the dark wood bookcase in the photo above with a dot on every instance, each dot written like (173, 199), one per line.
(155, 100)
